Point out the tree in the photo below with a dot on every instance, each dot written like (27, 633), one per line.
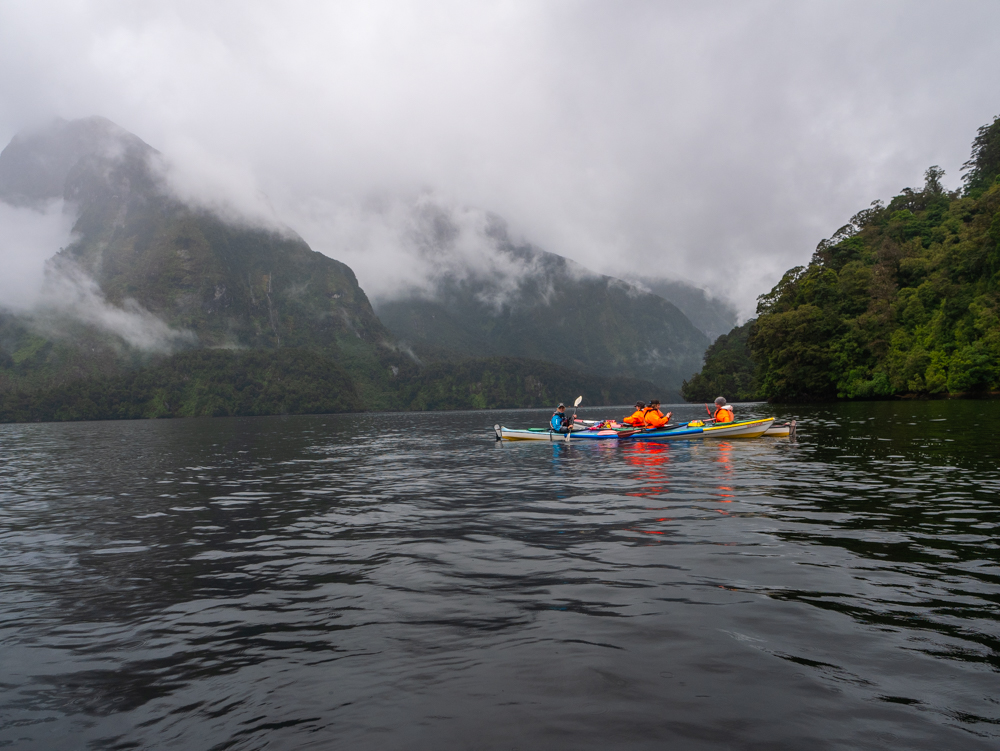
(984, 166)
(932, 180)
(904, 299)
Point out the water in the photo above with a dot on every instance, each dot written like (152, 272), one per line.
(402, 581)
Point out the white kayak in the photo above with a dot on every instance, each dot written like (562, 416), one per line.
(545, 434)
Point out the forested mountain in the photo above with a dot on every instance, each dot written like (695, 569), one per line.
(170, 275)
(710, 315)
(904, 299)
(213, 383)
(552, 309)
(728, 371)
(159, 308)
(230, 285)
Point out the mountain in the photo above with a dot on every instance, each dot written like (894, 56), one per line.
(230, 285)
(546, 307)
(162, 308)
(166, 275)
(729, 370)
(35, 165)
(902, 300)
(710, 315)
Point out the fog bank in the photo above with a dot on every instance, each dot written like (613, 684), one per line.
(716, 142)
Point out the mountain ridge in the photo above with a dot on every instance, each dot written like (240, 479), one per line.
(548, 307)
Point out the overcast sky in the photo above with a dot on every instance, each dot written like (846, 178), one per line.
(714, 142)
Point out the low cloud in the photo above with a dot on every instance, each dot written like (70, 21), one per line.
(47, 289)
(69, 292)
(712, 142)
(203, 180)
(410, 247)
(28, 238)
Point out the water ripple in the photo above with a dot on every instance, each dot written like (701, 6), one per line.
(402, 581)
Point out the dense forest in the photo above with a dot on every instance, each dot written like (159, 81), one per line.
(728, 370)
(204, 383)
(902, 300)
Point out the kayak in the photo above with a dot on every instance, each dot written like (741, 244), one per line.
(545, 434)
(781, 431)
(747, 429)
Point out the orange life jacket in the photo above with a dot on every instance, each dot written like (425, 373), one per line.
(656, 419)
(635, 418)
(724, 414)
(653, 418)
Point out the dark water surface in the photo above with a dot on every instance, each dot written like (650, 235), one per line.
(403, 582)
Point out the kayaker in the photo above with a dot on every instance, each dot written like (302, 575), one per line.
(723, 411)
(561, 422)
(653, 417)
(635, 418)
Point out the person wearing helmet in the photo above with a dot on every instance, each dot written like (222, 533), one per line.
(723, 411)
(635, 419)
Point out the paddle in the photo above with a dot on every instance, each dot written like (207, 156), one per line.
(572, 419)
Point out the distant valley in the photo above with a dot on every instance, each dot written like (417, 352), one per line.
(542, 306)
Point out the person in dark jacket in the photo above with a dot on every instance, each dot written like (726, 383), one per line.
(561, 422)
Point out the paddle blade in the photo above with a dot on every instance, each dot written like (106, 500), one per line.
(577, 402)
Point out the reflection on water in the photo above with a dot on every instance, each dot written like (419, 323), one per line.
(403, 581)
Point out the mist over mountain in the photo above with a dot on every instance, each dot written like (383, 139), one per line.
(230, 285)
(146, 276)
(35, 165)
(484, 294)
(713, 315)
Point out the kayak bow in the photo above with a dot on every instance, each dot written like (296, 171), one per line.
(545, 434)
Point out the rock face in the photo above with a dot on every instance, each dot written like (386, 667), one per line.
(232, 285)
(554, 310)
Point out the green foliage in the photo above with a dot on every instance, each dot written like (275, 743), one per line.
(196, 384)
(729, 371)
(509, 382)
(211, 383)
(983, 167)
(37, 352)
(904, 299)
